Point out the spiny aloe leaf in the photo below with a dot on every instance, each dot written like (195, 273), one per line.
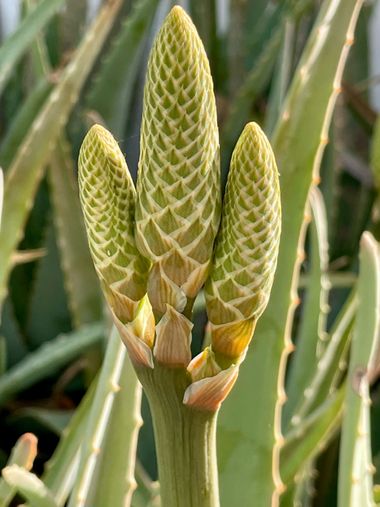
(115, 377)
(23, 454)
(249, 468)
(14, 47)
(178, 194)
(1, 194)
(245, 257)
(111, 94)
(308, 440)
(81, 283)
(312, 330)
(29, 486)
(355, 462)
(31, 159)
(61, 469)
(48, 359)
(22, 121)
(281, 79)
(327, 374)
(115, 482)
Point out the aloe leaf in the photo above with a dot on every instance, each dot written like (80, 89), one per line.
(281, 78)
(29, 486)
(61, 469)
(268, 46)
(312, 333)
(111, 94)
(48, 359)
(355, 462)
(115, 379)
(249, 446)
(47, 316)
(14, 47)
(116, 483)
(28, 166)
(23, 119)
(81, 283)
(1, 193)
(23, 454)
(147, 493)
(308, 440)
(329, 368)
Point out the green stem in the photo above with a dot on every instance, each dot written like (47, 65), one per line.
(185, 441)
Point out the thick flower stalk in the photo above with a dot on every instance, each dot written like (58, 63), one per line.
(154, 249)
(239, 285)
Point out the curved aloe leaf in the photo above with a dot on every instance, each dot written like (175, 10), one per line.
(117, 398)
(19, 42)
(28, 166)
(298, 144)
(23, 455)
(29, 486)
(111, 93)
(355, 461)
(48, 359)
(312, 331)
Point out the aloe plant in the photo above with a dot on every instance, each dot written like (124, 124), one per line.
(237, 419)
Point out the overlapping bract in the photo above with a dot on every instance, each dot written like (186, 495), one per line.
(178, 188)
(239, 285)
(108, 200)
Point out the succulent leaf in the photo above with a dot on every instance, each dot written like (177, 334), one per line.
(240, 282)
(178, 186)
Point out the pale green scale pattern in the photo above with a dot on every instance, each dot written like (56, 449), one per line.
(178, 187)
(108, 199)
(247, 244)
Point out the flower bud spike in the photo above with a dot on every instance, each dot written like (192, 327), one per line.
(178, 185)
(108, 198)
(245, 258)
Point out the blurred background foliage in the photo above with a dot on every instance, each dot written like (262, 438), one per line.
(58, 75)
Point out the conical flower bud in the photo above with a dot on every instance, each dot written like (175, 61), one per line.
(108, 198)
(178, 188)
(240, 282)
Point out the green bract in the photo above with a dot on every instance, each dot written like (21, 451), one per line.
(178, 186)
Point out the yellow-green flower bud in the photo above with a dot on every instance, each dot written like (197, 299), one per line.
(108, 198)
(178, 186)
(240, 282)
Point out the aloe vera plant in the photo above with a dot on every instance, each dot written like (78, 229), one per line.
(184, 267)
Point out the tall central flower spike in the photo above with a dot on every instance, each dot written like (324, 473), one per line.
(178, 186)
(239, 285)
(108, 199)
